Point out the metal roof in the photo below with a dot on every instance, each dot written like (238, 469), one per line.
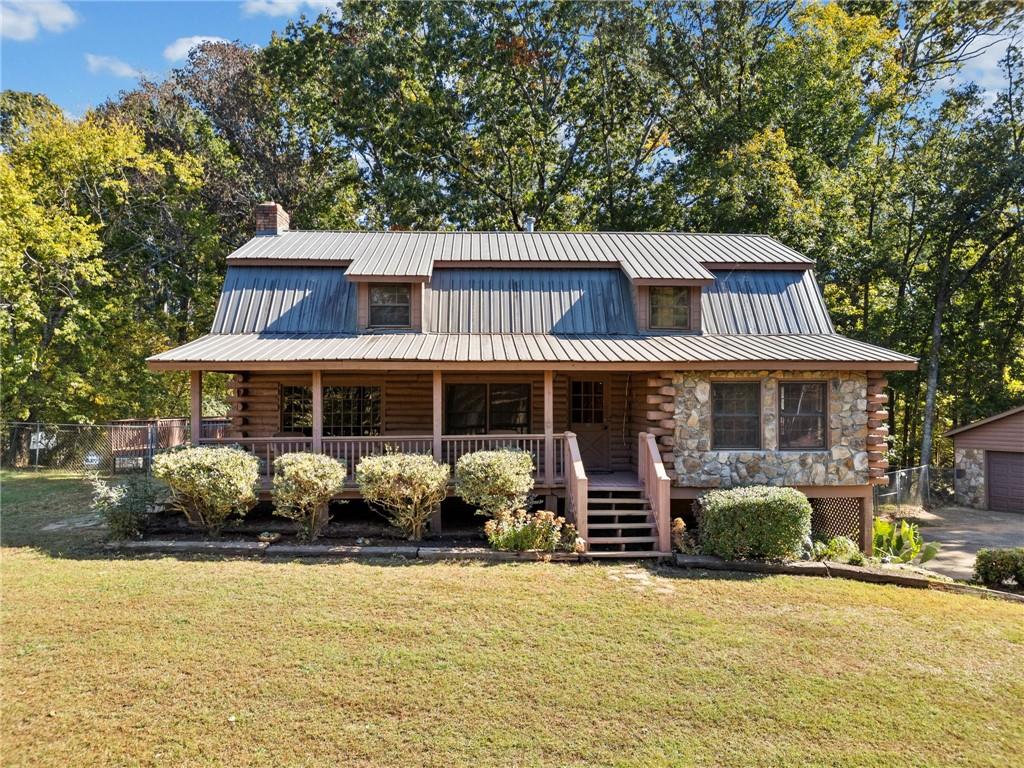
(982, 422)
(560, 301)
(286, 300)
(764, 302)
(641, 255)
(681, 350)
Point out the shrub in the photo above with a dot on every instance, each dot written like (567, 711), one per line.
(496, 482)
(541, 531)
(757, 521)
(994, 567)
(303, 486)
(124, 505)
(839, 549)
(210, 484)
(900, 542)
(407, 487)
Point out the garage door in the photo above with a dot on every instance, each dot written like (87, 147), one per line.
(1006, 481)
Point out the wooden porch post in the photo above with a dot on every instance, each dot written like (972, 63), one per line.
(318, 412)
(549, 427)
(438, 421)
(196, 395)
(867, 520)
(435, 521)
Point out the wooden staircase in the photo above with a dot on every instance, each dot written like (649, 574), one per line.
(620, 522)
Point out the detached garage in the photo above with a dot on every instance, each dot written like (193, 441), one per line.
(989, 456)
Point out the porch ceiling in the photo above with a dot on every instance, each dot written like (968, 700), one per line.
(480, 351)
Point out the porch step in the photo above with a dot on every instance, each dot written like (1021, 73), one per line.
(620, 521)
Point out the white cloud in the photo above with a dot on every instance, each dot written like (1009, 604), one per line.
(179, 49)
(22, 19)
(284, 7)
(110, 65)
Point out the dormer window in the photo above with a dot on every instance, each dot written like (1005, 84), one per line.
(669, 307)
(390, 305)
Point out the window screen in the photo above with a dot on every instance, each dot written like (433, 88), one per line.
(586, 404)
(390, 305)
(669, 307)
(735, 415)
(474, 409)
(802, 408)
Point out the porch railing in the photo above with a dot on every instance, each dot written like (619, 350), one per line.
(266, 449)
(575, 484)
(352, 449)
(657, 487)
(454, 446)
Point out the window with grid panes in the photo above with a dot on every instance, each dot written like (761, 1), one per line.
(735, 415)
(351, 411)
(802, 408)
(669, 307)
(297, 410)
(348, 411)
(586, 402)
(390, 305)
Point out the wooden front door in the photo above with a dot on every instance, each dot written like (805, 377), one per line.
(588, 410)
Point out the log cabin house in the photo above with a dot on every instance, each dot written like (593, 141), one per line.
(639, 369)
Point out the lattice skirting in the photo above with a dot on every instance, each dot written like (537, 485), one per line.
(836, 516)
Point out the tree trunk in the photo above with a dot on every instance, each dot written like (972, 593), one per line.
(932, 384)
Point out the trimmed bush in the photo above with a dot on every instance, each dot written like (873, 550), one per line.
(303, 486)
(524, 532)
(994, 567)
(406, 487)
(124, 505)
(495, 482)
(210, 484)
(754, 522)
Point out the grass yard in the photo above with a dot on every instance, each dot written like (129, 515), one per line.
(109, 661)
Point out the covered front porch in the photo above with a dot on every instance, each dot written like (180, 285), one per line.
(596, 454)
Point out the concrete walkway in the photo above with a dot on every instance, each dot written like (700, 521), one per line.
(962, 532)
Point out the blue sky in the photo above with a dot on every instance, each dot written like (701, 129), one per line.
(81, 53)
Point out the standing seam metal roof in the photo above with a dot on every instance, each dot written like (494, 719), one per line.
(642, 255)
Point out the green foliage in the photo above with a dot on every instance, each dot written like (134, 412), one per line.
(496, 482)
(407, 487)
(124, 504)
(523, 531)
(901, 542)
(994, 567)
(754, 522)
(303, 486)
(838, 549)
(210, 484)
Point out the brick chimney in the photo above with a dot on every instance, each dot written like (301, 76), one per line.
(271, 219)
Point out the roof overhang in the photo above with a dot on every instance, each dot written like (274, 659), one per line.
(982, 422)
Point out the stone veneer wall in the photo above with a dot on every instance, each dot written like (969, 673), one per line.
(846, 462)
(969, 477)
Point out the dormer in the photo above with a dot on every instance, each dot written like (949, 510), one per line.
(668, 308)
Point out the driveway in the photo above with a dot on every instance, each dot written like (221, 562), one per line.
(962, 532)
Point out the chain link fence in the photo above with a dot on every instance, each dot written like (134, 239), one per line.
(123, 446)
(915, 487)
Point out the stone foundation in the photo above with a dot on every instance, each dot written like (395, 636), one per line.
(845, 463)
(969, 477)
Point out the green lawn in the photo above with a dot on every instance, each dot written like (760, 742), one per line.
(109, 661)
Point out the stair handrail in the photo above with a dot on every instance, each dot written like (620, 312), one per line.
(657, 487)
(575, 485)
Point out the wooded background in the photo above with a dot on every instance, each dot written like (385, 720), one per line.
(839, 129)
